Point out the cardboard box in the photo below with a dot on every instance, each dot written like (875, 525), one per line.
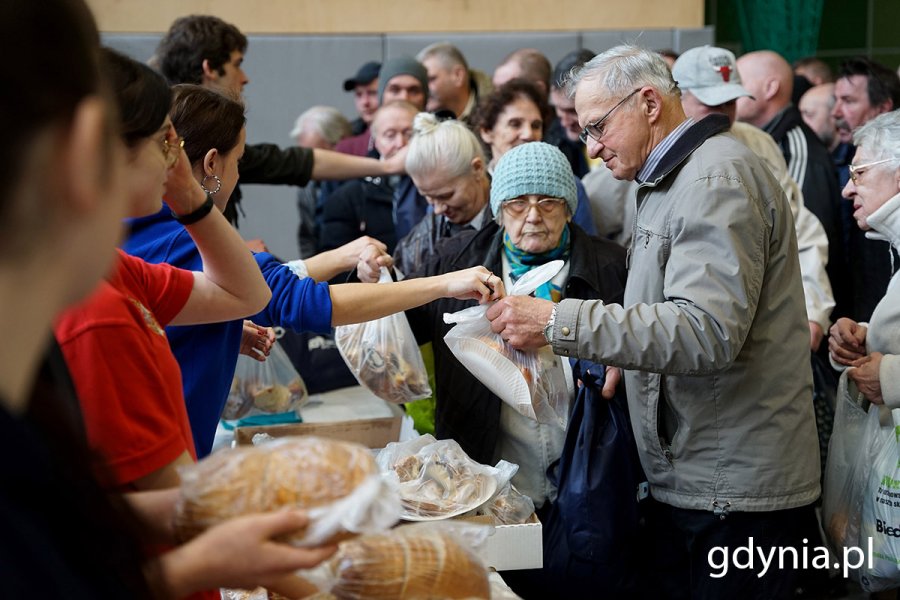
(351, 414)
(513, 547)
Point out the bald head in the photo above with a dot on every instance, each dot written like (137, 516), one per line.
(770, 79)
(524, 63)
(816, 106)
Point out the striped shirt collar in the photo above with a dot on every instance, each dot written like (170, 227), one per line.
(661, 149)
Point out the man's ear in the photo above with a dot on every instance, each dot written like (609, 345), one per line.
(209, 74)
(652, 103)
(86, 154)
(460, 75)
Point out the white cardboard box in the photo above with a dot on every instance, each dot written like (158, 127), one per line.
(513, 547)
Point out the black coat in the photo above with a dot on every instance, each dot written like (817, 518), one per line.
(359, 207)
(466, 410)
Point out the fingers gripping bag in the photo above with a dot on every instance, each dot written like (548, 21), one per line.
(384, 357)
(270, 387)
(531, 382)
(337, 483)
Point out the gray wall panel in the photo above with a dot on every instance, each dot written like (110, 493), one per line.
(685, 39)
(485, 51)
(656, 39)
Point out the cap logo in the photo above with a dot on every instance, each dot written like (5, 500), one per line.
(723, 66)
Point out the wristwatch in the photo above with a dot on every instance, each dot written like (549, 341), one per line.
(548, 328)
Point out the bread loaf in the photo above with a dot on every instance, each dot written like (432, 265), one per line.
(302, 472)
(404, 566)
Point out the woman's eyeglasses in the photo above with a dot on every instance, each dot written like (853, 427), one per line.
(519, 206)
(857, 170)
(172, 150)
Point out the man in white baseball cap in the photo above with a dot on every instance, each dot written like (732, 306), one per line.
(708, 76)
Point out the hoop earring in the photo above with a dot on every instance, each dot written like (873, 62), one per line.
(218, 185)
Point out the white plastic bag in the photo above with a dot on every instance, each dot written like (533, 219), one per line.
(436, 478)
(272, 386)
(532, 382)
(384, 357)
(880, 519)
(338, 484)
(844, 486)
(423, 560)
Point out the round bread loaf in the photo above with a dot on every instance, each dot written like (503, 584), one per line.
(301, 472)
(398, 566)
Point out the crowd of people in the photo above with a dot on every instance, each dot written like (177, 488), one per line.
(722, 237)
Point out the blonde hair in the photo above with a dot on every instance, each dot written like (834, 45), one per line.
(446, 146)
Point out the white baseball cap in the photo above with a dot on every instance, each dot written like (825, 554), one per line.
(710, 74)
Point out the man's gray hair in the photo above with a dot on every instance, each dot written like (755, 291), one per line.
(327, 121)
(622, 69)
(447, 147)
(446, 53)
(880, 136)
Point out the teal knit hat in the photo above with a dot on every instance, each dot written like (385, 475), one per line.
(533, 168)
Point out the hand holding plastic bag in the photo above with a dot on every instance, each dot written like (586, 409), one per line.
(384, 357)
(532, 382)
(272, 386)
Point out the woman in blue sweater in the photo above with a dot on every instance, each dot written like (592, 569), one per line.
(213, 128)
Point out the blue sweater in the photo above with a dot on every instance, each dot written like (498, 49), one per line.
(207, 354)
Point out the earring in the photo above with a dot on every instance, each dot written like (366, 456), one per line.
(218, 185)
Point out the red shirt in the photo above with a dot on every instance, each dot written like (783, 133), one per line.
(127, 380)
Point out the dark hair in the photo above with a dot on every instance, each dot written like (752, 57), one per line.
(142, 96)
(193, 39)
(44, 82)
(206, 120)
(490, 106)
(575, 58)
(883, 83)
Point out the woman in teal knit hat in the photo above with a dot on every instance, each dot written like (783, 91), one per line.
(533, 198)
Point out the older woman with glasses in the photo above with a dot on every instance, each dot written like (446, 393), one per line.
(870, 353)
(514, 114)
(533, 197)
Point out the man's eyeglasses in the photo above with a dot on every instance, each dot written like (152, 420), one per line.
(857, 170)
(597, 129)
(520, 206)
(172, 150)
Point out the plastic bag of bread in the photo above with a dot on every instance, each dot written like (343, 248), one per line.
(384, 357)
(532, 382)
(424, 560)
(437, 479)
(270, 387)
(336, 482)
(843, 488)
(508, 506)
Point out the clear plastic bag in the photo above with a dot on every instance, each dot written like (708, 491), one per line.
(880, 519)
(532, 382)
(336, 482)
(384, 357)
(272, 386)
(437, 479)
(845, 469)
(508, 506)
(424, 560)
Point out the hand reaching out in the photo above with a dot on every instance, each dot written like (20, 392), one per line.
(256, 341)
(475, 283)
